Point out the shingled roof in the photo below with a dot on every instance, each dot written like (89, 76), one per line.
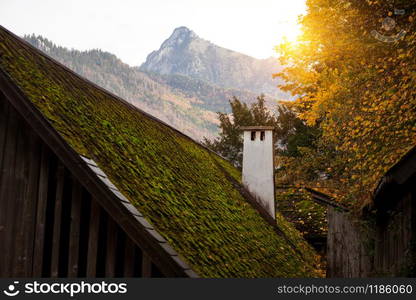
(189, 195)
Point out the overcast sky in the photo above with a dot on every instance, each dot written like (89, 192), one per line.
(131, 29)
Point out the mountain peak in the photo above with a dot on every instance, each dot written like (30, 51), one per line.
(179, 36)
(185, 53)
(181, 30)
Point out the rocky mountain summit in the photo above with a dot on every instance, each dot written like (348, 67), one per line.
(185, 53)
(184, 83)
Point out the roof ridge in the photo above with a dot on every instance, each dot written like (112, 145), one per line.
(323, 198)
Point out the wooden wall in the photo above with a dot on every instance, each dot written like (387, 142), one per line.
(347, 247)
(50, 226)
(387, 248)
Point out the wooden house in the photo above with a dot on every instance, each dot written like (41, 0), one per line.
(347, 253)
(92, 186)
(395, 204)
(382, 241)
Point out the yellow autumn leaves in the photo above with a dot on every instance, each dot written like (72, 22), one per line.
(358, 90)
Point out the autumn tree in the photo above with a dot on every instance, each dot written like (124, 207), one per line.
(354, 71)
(290, 132)
(229, 144)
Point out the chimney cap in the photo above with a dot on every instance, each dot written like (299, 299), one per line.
(256, 128)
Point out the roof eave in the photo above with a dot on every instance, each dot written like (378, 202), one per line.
(256, 128)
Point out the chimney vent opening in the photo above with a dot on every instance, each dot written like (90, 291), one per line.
(262, 135)
(253, 135)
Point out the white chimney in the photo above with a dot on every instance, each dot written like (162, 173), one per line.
(258, 165)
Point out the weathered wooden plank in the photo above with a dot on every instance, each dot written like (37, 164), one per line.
(412, 228)
(56, 233)
(41, 213)
(74, 234)
(128, 258)
(4, 117)
(385, 250)
(17, 215)
(111, 248)
(347, 255)
(30, 204)
(146, 266)
(93, 239)
(8, 195)
(4, 181)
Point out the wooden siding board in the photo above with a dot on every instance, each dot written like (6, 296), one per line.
(4, 169)
(393, 247)
(93, 239)
(59, 194)
(413, 230)
(146, 266)
(29, 207)
(7, 195)
(74, 234)
(4, 117)
(41, 213)
(111, 248)
(347, 256)
(129, 252)
(17, 216)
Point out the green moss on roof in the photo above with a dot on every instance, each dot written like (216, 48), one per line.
(177, 184)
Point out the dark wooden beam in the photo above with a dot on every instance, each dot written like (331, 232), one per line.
(8, 193)
(41, 213)
(93, 239)
(60, 181)
(129, 258)
(146, 266)
(30, 204)
(16, 216)
(4, 173)
(110, 258)
(74, 233)
(4, 117)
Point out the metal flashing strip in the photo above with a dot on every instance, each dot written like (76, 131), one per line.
(139, 217)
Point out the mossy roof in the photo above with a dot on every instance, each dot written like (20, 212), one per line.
(183, 189)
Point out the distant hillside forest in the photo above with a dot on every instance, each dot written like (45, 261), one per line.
(187, 104)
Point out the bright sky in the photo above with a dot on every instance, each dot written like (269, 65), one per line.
(131, 29)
